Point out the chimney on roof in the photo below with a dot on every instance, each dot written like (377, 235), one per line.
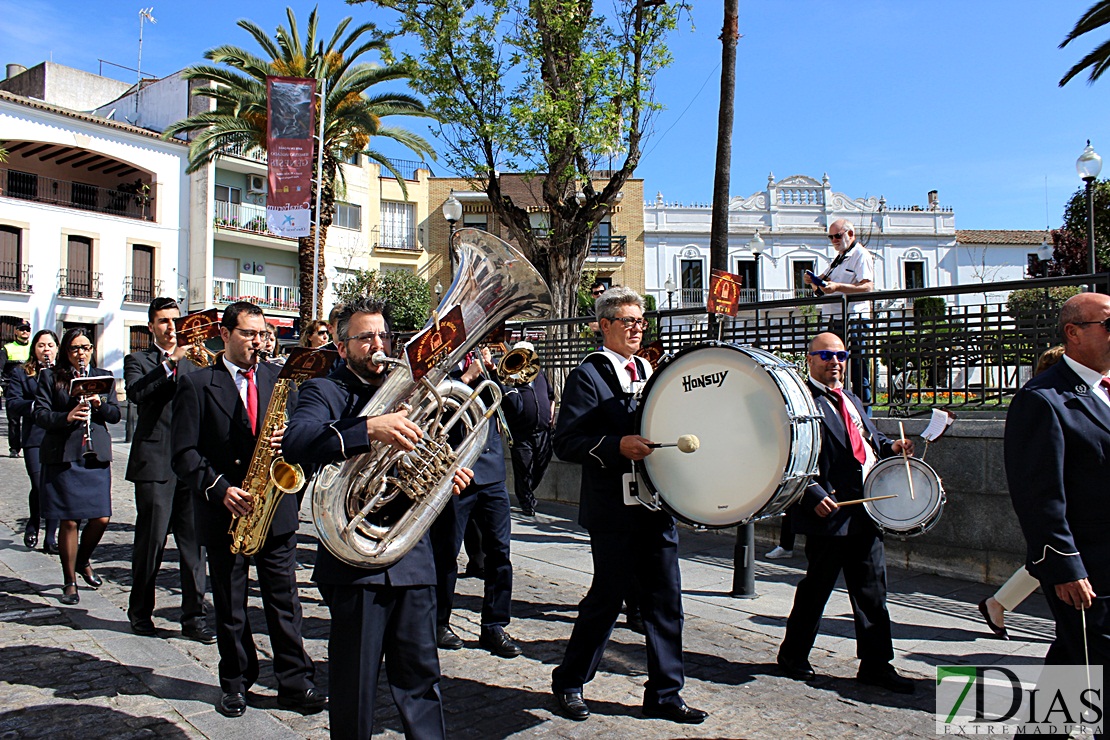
(934, 201)
(15, 69)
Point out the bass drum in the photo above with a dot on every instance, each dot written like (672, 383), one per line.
(904, 516)
(758, 429)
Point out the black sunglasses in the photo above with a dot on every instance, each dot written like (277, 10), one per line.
(834, 237)
(828, 354)
(1105, 323)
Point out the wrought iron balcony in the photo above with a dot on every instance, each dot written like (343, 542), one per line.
(243, 217)
(237, 150)
(400, 238)
(277, 297)
(29, 186)
(141, 290)
(79, 284)
(611, 246)
(15, 277)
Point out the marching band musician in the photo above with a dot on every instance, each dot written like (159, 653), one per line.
(76, 484)
(529, 409)
(162, 501)
(842, 539)
(217, 413)
(375, 612)
(628, 542)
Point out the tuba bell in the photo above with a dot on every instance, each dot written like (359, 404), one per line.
(519, 366)
(373, 508)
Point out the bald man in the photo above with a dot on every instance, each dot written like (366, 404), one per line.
(1056, 448)
(851, 273)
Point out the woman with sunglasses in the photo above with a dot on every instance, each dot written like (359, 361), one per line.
(20, 396)
(315, 334)
(76, 457)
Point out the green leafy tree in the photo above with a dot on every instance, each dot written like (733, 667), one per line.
(1070, 251)
(549, 88)
(1097, 16)
(353, 114)
(408, 296)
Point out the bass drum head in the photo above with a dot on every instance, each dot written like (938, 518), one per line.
(733, 406)
(903, 514)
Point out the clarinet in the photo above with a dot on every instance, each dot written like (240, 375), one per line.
(90, 452)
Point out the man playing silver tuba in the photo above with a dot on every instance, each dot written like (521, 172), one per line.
(375, 612)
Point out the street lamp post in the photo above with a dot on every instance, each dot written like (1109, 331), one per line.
(452, 212)
(1088, 166)
(756, 247)
(670, 287)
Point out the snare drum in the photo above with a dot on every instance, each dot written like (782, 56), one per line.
(904, 516)
(758, 429)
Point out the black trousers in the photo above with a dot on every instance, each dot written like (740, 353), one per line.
(162, 507)
(276, 568)
(489, 506)
(860, 558)
(531, 454)
(367, 623)
(33, 464)
(15, 436)
(651, 558)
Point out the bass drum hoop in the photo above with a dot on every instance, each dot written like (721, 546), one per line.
(920, 524)
(796, 473)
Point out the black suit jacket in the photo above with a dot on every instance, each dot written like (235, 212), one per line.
(325, 428)
(20, 395)
(213, 444)
(839, 472)
(64, 440)
(1057, 451)
(151, 389)
(489, 467)
(595, 414)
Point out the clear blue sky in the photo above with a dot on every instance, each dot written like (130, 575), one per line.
(889, 97)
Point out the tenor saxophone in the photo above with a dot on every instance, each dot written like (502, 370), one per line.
(269, 477)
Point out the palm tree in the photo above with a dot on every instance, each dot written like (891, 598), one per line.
(352, 118)
(1097, 16)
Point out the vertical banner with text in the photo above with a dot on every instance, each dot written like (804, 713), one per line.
(289, 145)
(724, 292)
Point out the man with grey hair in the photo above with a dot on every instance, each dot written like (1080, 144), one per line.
(851, 272)
(632, 546)
(1056, 442)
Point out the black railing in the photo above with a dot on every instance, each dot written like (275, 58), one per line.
(403, 238)
(972, 354)
(29, 186)
(608, 246)
(141, 290)
(15, 277)
(406, 167)
(79, 284)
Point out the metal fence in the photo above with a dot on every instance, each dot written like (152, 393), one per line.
(965, 351)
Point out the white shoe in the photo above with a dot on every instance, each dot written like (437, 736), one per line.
(779, 554)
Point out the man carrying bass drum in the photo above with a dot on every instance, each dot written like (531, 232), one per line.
(596, 430)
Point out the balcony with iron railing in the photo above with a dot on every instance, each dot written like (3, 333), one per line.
(258, 292)
(608, 246)
(401, 238)
(239, 150)
(243, 217)
(79, 284)
(141, 290)
(694, 297)
(15, 278)
(41, 189)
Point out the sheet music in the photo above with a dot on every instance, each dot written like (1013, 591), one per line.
(937, 425)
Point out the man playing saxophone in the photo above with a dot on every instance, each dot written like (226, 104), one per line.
(375, 612)
(217, 413)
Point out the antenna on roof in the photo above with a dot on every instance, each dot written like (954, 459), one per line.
(145, 14)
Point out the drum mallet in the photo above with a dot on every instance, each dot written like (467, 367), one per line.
(686, 443)
(906, 459)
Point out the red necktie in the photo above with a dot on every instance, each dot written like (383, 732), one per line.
(252, 399)
(853, 432)
(631, 368)
(1105, 384)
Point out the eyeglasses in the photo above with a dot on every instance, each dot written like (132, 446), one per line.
(835, 237)
(630, 322)
(828, 354)
(1105, 323)
(249, 333)
(75, 348)
(322, 333)
(597, 292)
(369, 336)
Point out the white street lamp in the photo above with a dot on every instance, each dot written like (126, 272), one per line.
(670, 287)
(1088, 166)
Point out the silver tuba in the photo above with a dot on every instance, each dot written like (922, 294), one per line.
(373, 508)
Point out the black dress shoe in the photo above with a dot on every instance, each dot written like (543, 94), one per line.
(499, 643)
(676, 713)
(886, 677)
(198, 631)
(447, 639)
(635, 622)
(999, 630)
(572, 705)
(89, 576)
(30, 537)
(799, 670)
(232, 705)
(50, 548)
(69, 599)
(144, 629)
(309, 701)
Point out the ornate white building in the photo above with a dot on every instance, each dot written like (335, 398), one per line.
(914, 246)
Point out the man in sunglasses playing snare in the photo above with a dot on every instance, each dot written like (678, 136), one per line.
(842, 539)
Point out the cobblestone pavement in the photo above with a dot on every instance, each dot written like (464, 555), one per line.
(79, 672)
